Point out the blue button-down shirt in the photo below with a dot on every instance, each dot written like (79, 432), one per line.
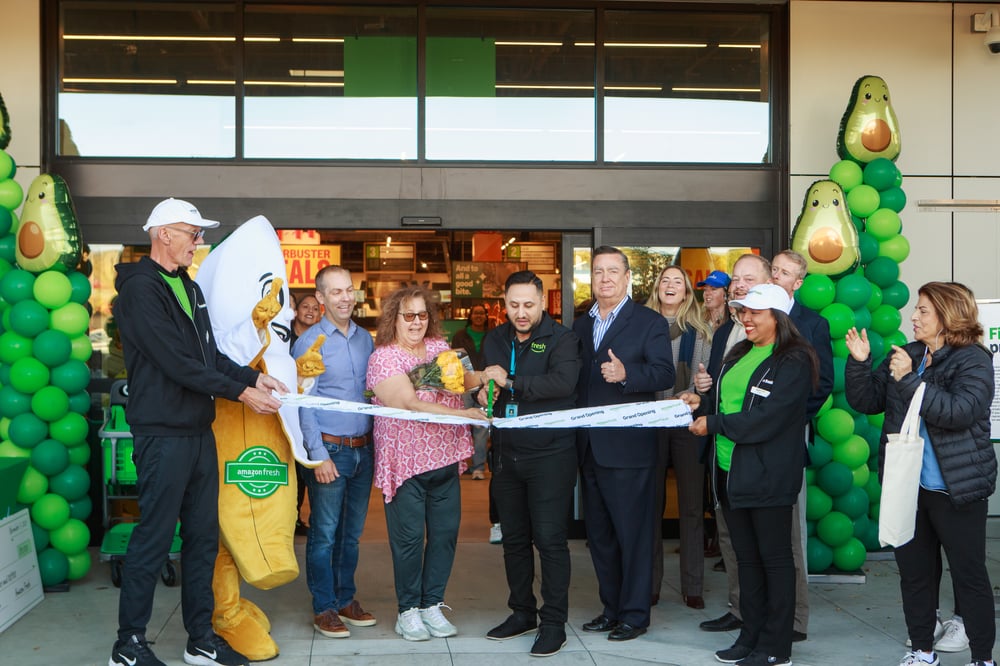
(601, 326)
(346, 361)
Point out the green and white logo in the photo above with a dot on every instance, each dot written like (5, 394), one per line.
(257, 472)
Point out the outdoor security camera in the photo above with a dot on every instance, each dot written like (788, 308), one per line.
(992, 40)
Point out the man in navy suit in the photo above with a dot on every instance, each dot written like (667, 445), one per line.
(626, 358)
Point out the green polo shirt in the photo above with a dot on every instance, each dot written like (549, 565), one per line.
(731, 392)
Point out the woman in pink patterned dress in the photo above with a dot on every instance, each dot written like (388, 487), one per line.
(417, 463)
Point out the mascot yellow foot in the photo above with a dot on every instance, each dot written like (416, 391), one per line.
(240, 621)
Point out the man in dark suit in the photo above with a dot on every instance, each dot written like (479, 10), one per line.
(626, 358)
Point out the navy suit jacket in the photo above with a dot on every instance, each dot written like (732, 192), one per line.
(640, 338)
(816, 329)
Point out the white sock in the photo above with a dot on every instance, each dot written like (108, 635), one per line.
(926, 657)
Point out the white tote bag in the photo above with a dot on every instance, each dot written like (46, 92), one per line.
(904, 456)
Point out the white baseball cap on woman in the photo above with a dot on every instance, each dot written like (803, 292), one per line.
(765, 296)
(171, 211)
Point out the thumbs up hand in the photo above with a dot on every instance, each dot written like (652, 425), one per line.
(269, 306)
(613, 370)
(310, 364)
(702, 380)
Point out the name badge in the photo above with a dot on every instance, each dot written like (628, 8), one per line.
(511, 410)
(756, 390)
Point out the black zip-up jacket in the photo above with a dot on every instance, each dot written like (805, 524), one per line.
(955, 409)
(546, 371)
(769, 432)
(174, 367)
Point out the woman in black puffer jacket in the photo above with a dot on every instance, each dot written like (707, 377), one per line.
(959, 467)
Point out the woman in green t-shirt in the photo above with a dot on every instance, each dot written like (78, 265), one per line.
(757, 411)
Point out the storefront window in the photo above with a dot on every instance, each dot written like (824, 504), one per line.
(331, 82)
(146, 81)
(686, 87)
(506, 84)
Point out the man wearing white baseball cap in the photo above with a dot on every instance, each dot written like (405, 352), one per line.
(175, 370)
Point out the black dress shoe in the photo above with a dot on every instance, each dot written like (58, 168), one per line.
(512, 627)
(548, 641)
(694, 601)
(727, 622)
(625, 632)
(601, 623)
(798, 636)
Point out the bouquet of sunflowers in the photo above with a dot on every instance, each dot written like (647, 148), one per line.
(446, 372)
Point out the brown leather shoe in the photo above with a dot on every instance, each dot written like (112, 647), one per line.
(693, 601)
(355, 615)
(328, 623)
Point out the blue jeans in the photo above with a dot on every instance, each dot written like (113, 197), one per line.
(337, 516)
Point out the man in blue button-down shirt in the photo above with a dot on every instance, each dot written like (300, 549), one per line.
(340, 487)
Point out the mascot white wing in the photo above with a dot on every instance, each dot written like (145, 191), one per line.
(235, 276)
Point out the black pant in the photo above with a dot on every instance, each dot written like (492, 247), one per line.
(534, 498)
(762, 539)
(962, 532)
(177, 477)
(618, 512)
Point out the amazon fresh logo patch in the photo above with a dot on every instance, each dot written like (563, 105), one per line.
(538, 347)
(257, 472)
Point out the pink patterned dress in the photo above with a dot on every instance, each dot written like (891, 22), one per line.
(404, 449)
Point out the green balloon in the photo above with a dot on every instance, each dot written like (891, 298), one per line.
(834, 529)
(877, 344)
(79, 455)
(850, 555)
(81, 508)
(27, 430)
(820, 452)
(29, 317)
(34, 484)
(7, 248)
(862, 319)
(884, 224)
(885, 320)
(880, 173)
(28, 375)
(40, 536)
(873, 489)
(81, 348)
(70, 429)
(839, 346)
(876, 299)
(71, 538)
(80, 402)
(52, 566)
(810, 479)
(13, 402)
(893, 198)
(818, 503)
(6, 220)
(51, 347)
(81, 288)
(50, 458)
(79, 564)
(17, 285)
(876, 420)
(853, 504)
(847, 174)
(896, 294)
(13, 347)
(897, 338)
(840, 318)
(863, 200)
(851, 452)
(72, 376)
(72, 319)
(834, 478)
(11, 194)
(72, 483)
(7, 166)
(9, 449)
(896, 248)
(5, 266)
(853, 290)
(817, 292)
(835, 426)
(861, 524)
(819, 556)
(860, 475)
(50, 403)
(825, 407)
(52, 289)
(838, 374)
(883, 272)
(50, 511)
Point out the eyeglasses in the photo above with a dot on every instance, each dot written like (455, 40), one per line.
(408, 316)
(196, 235)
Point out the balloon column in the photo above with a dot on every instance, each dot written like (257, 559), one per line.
(849, 232)
(44, 348)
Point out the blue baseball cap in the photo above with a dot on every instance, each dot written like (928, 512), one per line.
(716, 279)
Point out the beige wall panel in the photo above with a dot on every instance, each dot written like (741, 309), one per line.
(20, 78)
(977, 238)
(977, 99)
(932, 251)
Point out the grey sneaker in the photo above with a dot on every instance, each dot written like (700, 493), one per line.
(954, 638)
(411, 627)
(435, 621)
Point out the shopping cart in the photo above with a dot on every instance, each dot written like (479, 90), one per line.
(120, 485)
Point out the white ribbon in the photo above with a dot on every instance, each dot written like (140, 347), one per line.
(659, 414)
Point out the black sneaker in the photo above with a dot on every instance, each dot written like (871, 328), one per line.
(134, 651)
(213, 651)
(733, 654)
(512, 627)
(548, 641)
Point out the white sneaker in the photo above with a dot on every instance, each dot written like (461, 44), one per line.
(915, 659)
(435, 621)
(496, 535)
(410, 626)
(938, 633)
(954, 639)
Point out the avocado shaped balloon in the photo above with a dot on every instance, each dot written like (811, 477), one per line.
(824, 233)
(4, 125)
(48, 237)
(869, 128)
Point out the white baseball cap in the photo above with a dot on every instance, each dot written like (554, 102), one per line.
(170, 211)
(766, 296)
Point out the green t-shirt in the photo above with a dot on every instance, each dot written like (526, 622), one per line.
(731, 391)
(182, 297)
(477, 337)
